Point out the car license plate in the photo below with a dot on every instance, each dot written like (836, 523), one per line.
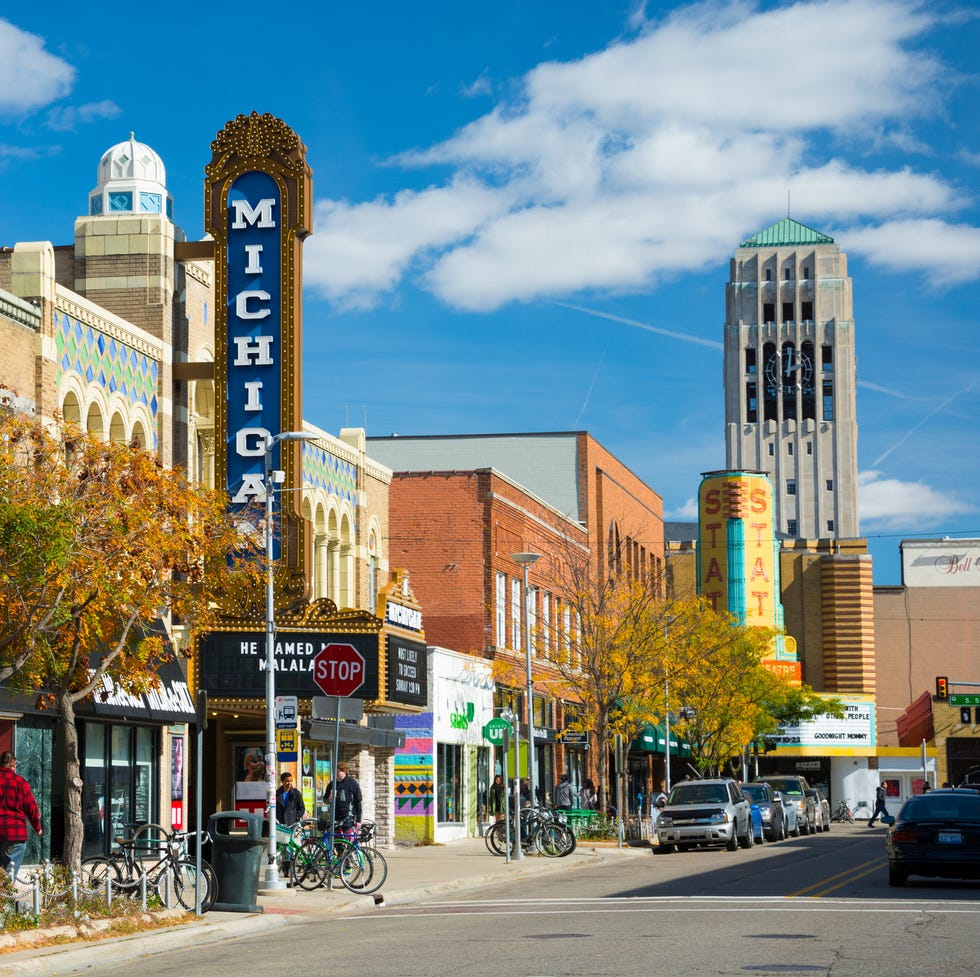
(950, 838)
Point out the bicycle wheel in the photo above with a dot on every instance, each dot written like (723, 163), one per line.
(554, 840)
(185, 879)
(310, 865)
(496, 838)
(374, 870)
(353, 867)
(96, 870)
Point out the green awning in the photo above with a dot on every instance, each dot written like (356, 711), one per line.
(653, 739)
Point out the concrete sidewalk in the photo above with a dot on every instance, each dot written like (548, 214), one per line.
(413, 874)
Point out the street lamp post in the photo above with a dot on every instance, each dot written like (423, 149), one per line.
(526, 560)
(272, 880)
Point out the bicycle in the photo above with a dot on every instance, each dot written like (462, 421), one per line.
(340, 853)
(542, 828)
(842, 813)
(151, 855)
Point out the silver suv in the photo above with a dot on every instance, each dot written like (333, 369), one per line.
(705, 812)
(793, 789)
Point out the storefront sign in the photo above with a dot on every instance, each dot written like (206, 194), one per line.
(406, 673)
(941, 563)
(402, 616)
(171, 702)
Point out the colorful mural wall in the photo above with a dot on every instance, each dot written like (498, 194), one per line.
(414, 790)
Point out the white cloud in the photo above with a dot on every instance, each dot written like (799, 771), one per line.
(890, 503)
(686, 512)
(943, 253)
(361, 250)
(30, 77)
(68, 117)
(649, 158)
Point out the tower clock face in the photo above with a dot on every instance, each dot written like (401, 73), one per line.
(791, 368)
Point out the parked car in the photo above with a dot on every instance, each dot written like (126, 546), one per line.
(821, 808)
(794, 791)
(770, 809)
(936, 835)
(705, 812)
(790, 816)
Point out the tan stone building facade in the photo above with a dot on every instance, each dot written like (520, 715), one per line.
(790, 377)
(115, 332)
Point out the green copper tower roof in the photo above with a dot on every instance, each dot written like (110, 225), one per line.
(786, 233)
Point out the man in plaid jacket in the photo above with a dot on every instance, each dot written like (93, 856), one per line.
(17, 807)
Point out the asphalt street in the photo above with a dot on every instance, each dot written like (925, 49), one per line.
(815, 905)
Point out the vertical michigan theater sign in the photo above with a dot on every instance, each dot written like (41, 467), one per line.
(257, 199)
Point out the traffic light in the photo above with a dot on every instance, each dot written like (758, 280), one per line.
(942, 687)
(965, 715)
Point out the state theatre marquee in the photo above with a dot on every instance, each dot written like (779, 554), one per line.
(854, 733)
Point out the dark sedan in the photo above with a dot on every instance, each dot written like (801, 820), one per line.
(936, 835)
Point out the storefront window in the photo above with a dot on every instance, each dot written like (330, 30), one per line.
(119, 782)
(94, 790)
(144, 797)
(449, 786)
(121, 775)
(482, 782)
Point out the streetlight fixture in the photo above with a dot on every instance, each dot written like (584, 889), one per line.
(527, 560)
(272, 478)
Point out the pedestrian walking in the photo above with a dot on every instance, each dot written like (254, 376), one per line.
(348, 797)
(17, 807)
(289, 801)
(879, 805)
(498, 798)
(588, 796)
(564, 794)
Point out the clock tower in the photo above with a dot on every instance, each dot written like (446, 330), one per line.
(790, 407)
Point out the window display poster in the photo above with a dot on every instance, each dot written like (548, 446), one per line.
(177, 783)
(250, 775)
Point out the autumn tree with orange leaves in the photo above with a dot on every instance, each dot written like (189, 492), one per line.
(626, 642)
(97, 541)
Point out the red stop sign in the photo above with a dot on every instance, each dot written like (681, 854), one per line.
(338, 670)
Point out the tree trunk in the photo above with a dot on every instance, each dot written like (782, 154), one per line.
(72, 852)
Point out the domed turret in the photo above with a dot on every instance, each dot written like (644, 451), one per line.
(132, 180)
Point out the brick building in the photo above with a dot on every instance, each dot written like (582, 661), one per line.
(462, 506)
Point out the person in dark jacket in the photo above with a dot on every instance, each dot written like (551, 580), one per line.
(348, 796)
(17, 808)
(879, 805)
(289, 801)
(498, 798)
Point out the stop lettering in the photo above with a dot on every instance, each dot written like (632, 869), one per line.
(338, 669)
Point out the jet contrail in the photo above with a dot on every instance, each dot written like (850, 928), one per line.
(865, 385)
(588, 395)
(931, 414)
(683, 337)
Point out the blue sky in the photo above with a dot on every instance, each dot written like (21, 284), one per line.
(524, 210)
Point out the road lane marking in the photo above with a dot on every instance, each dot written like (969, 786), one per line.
(848, 875)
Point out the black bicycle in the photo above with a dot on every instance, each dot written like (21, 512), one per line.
(542, 829)
(154, 857)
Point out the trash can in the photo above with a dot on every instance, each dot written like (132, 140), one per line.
(238, 854)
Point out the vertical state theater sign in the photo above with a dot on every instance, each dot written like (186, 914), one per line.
(738, 558)
(257, 204)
